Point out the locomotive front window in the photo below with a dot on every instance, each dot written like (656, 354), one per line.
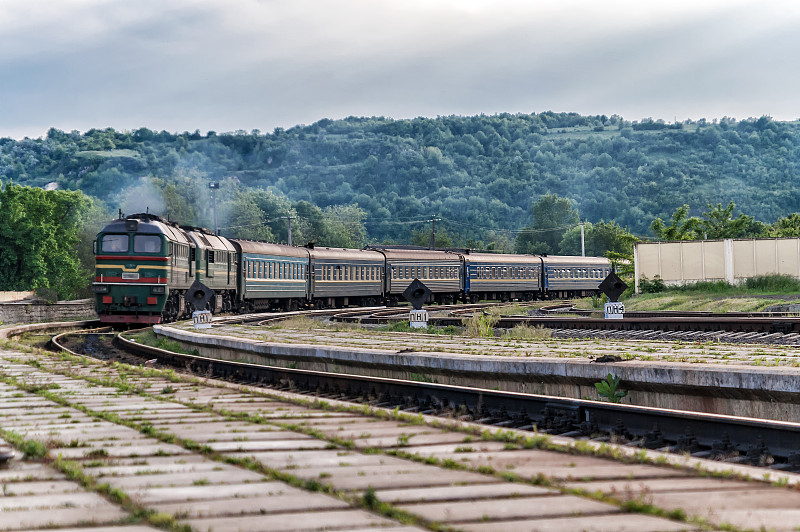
(146, 243)
(114, 243)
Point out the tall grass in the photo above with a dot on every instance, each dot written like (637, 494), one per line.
(772, 283)
(480, 325)
(526, 332)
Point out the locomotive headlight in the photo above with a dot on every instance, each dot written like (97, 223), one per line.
(100, 289)
(160, 289)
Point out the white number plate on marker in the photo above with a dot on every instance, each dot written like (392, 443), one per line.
(614, 311)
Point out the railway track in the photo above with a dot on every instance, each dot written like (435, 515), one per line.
(770, 444)
(744, 327)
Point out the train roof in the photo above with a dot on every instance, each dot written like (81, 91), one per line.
(417, 254)
(507, 258)
(575, 260)
(345, 254)
(267, 248)
(205, 240)
(147, 223)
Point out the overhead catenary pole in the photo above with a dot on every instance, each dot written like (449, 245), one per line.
(433, 232)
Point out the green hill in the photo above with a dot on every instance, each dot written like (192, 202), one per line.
(480, 174)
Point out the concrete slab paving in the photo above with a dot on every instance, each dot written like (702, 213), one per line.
(290, 501)
(333, 475)
(289, 522)
(504, 509)
(16, 489)
(657, 485)
(300, 459)
(594, 523)
(153, 468)
(120, 528)
(196, 493)
(758, 519)
(268, 445)
(227, 475)
(467, 492)
(50, 501)
(63, 516)
(77, 453)
(19, 471)
(411, 480)
(385, 529)
(410, 442)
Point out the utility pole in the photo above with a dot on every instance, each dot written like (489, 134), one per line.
(433, 232)
(288, 227)
(583, 242)
(214, 187)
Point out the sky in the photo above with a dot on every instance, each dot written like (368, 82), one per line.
(186, 65)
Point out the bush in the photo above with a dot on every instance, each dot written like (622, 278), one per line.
(651, 287)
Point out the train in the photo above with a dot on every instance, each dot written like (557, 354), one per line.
(145, 265)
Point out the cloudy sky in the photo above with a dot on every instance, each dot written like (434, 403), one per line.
(182, 65)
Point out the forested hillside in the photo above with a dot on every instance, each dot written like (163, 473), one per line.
(479, 175)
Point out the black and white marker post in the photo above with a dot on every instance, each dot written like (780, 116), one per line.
(417, 293)
(613, 286)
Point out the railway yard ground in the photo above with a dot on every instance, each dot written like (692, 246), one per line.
(115, 447)
(101, 446)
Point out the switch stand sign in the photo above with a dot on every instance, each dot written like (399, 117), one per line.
(613, 286)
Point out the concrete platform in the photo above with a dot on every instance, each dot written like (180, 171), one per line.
(719, 378)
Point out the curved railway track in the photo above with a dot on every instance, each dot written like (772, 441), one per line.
(742, 327)
(771, 444)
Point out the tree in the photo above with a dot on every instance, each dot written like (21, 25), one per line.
(681, 227)
(786, 226)
(552, 217)
(345, 226)
(244, 219)
(600, 238)
(38, 239)
(718, 222)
